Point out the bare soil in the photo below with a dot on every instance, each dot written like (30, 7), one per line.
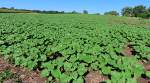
(143, 80)
(25, 75)
(95, 77)
(127, 50)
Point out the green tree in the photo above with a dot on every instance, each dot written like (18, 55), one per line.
(115, 13)
(97, 14)
(139, 11)
(12, 8)
(148, 9)
(85, 12)
(74, 12)
(127, 11)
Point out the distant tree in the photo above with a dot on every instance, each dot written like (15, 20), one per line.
(12, 8)
(139, 11)
(36, 11)
(74, 12)
(4, 8)
(97, 14)
(115, 13)
(62, 12)
(127, 11)
(148, 16)
(148, 9)
(85, 12)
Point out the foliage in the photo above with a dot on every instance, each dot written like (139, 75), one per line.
(4, 75)
(137, 11)
(148, 74)
(85, 12)
(127, 11)
(74, 12)
(115, 13)
(65, 47)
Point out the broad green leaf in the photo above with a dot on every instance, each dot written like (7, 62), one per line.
(131, 80)
(86, 58)
(81, 69)
(65, 78)
(148, 74)
(78, 80)
(67, 66)
(56, 73)
(106, 70)
(74, 75)
(45, 73)
(1, 42)
(48, 65)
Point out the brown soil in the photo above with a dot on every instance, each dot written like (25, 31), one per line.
(10, 81)
(128, 50)
(25, 75)
(146, 65)
(146, 68)
(143, 80)
(95, 77)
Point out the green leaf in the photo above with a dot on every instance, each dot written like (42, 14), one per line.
(67, 66)
(50, 78)
(106, 70)
(65, 78)
(56, 73)
(131, 80)
(1, 42)
(31, 64)
(95, 65)
(79, 80)
(81, 69)
(115, 76)
(74, 75)
(48, 65)
(138, 70)
(60, 61)
(108, 81)
(87, 58)
(127, 74)
(17, 61)
(148, 74)
(73, 58)
(45, 73)
(43, 57)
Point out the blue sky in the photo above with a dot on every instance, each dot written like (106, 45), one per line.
(93, 6)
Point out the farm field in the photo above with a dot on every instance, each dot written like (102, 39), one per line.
(78, 48)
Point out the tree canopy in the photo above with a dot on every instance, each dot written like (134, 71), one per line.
(127, 11)
(85, 12)
(115, 13)
(137, 11)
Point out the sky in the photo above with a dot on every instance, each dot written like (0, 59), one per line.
(92, 6)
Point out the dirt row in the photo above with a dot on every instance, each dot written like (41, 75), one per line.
(24, 75)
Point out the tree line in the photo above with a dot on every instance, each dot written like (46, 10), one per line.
(136, 11)
(14, 10)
